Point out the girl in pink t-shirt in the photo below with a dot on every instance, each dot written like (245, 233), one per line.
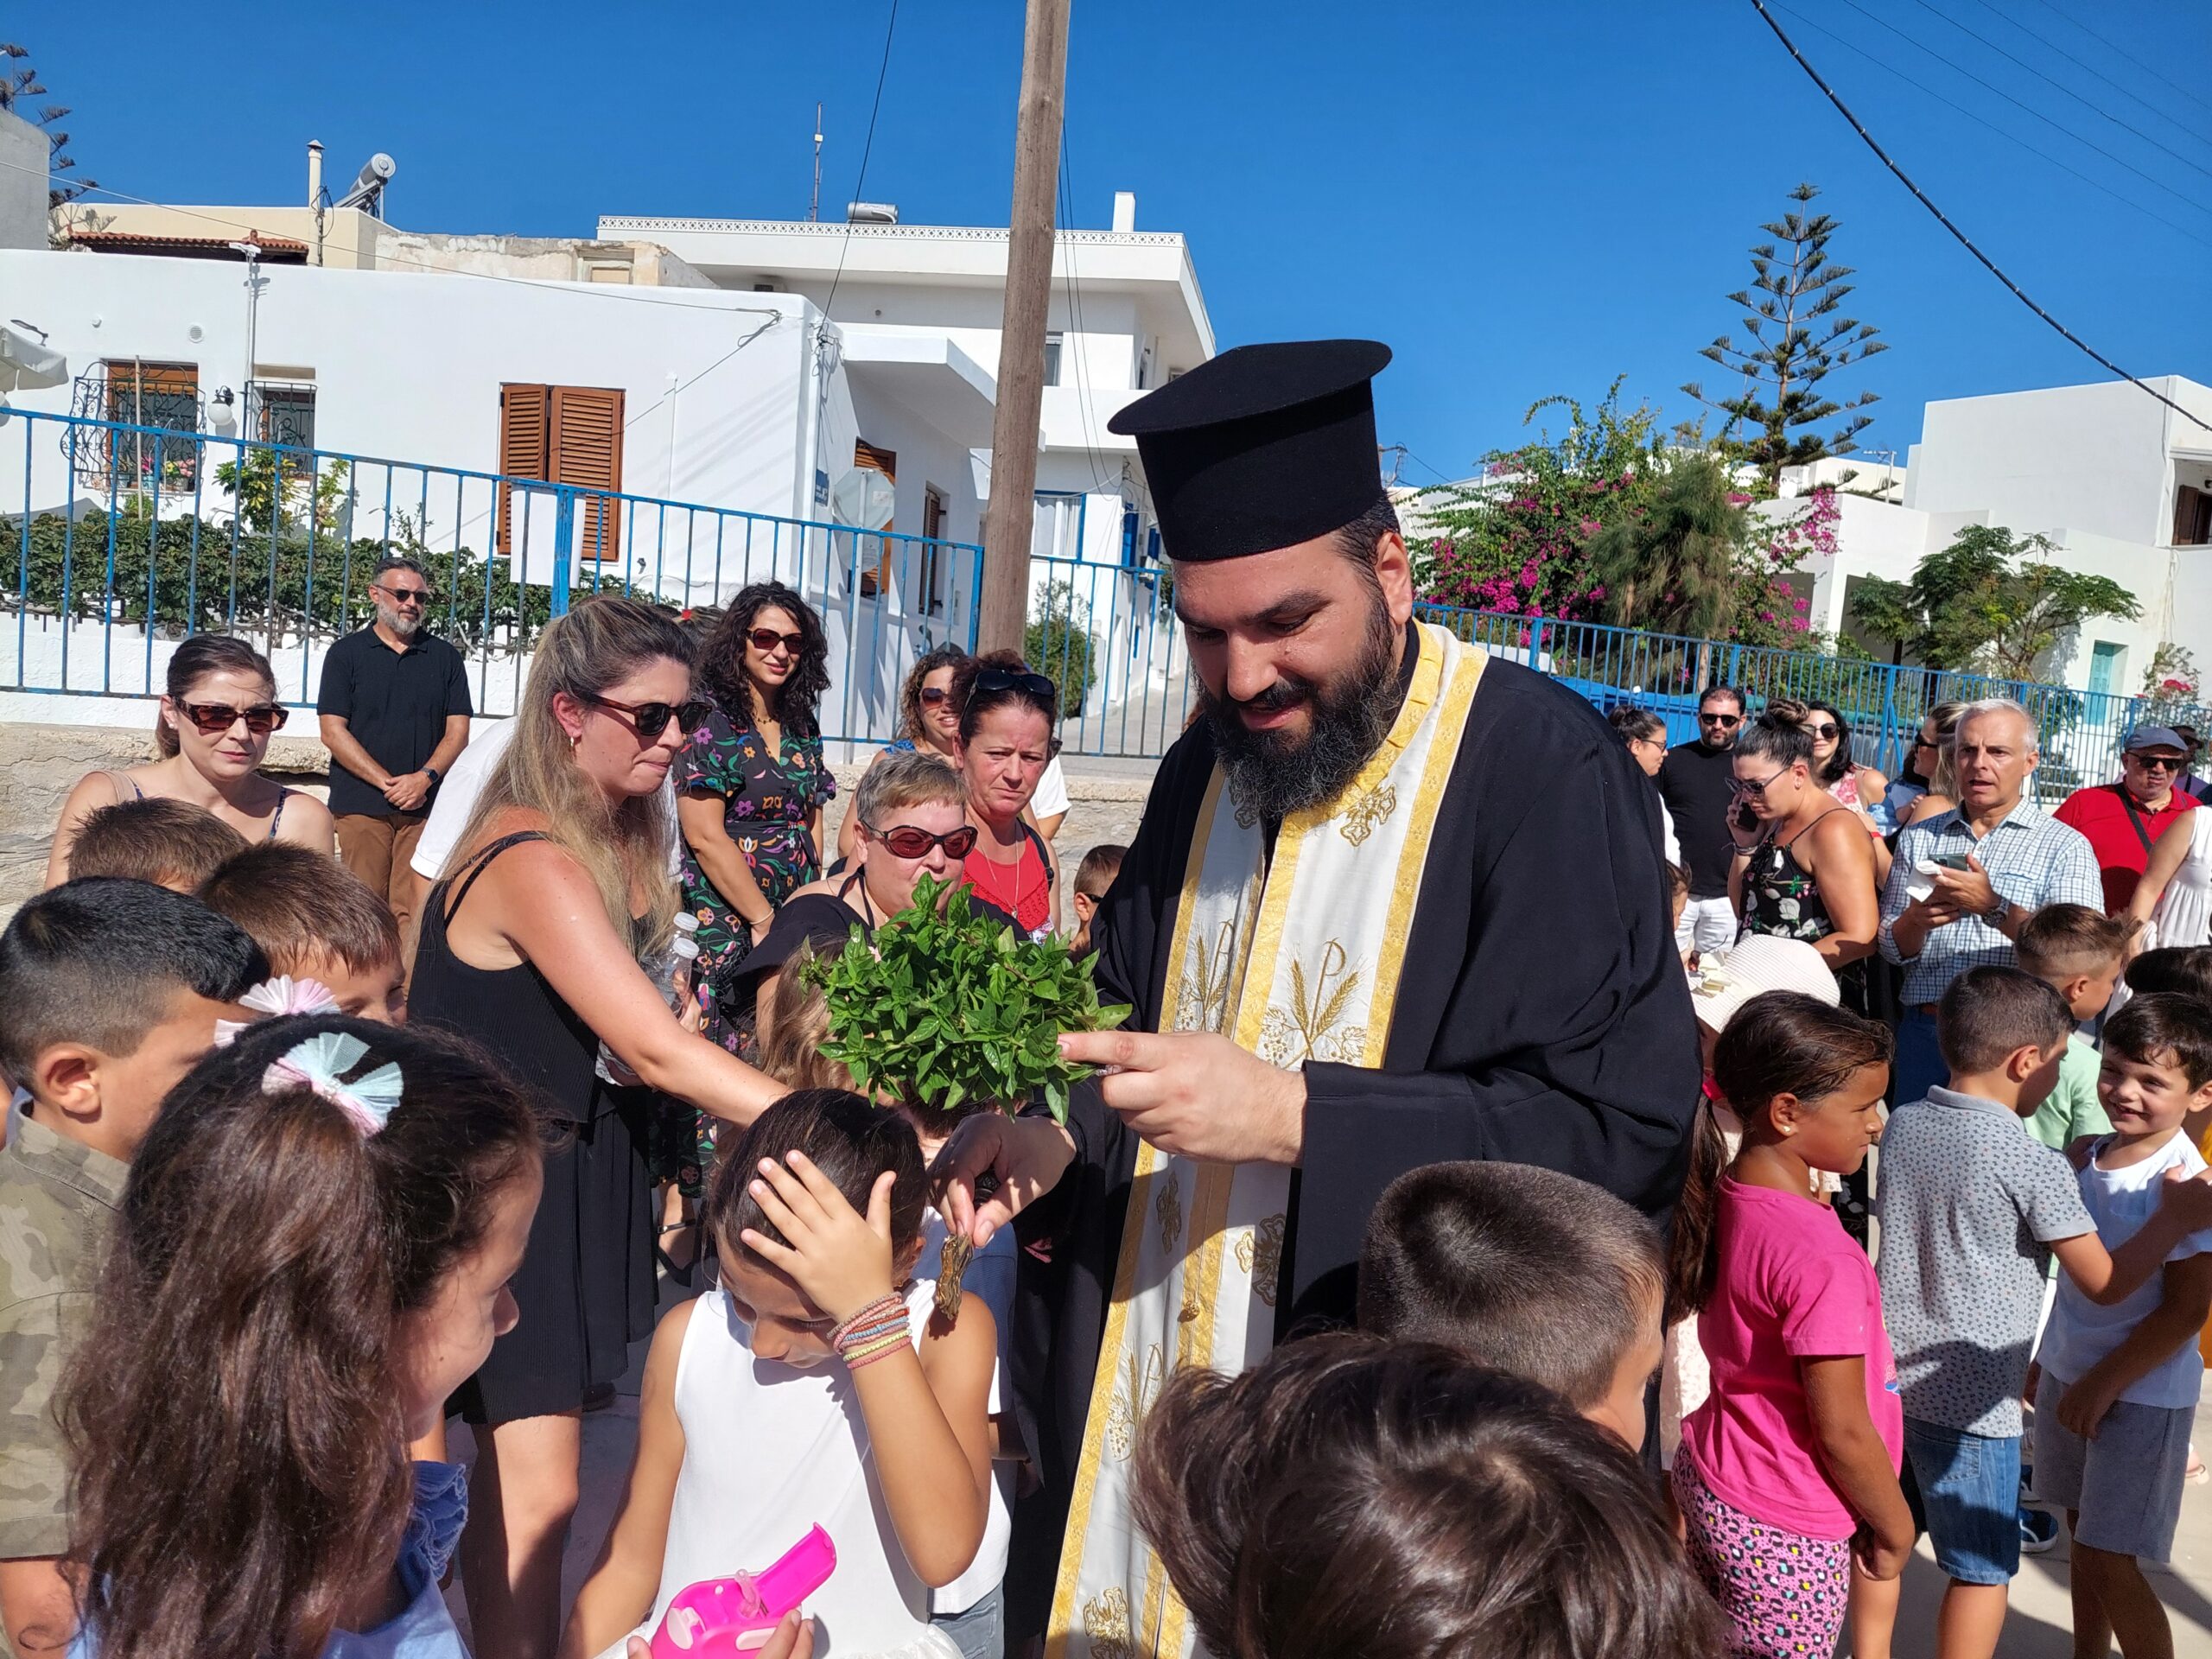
(1790, 1468)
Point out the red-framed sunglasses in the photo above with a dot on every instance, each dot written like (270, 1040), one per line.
(213, 719)
(905, 840)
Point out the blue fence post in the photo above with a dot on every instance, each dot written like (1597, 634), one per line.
(564, 533)
(1881, 755)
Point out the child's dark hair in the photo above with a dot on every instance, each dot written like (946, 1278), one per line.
(95, 960)
(2174, 970)
(171, 843)
(300, 904)
(1525, 1269)
(2150, 1027)
(1988, 1013)
(234, 1502)
(2061, 940)
(849, 1139)
(1099, 867)
(1350, 1499)
(1779, 1043)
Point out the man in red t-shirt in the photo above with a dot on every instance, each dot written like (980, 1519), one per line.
(2121, 820)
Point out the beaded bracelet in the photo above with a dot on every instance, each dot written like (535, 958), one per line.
(876, 1331)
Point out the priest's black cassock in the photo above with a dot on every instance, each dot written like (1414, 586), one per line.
(1543, 1018)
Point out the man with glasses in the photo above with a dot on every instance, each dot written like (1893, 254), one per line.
(1694, 781)
(2121, 820)
(394, 710)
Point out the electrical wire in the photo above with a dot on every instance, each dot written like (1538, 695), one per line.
(2095, 109)
(2118, 86)
(1964, 240)
(2031, 109)
(868, 149)
(2192, 94)
(1887, 67)
(1075, 310)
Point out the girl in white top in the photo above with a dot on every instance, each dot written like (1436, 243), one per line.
(2175, 895)
(813, 1386)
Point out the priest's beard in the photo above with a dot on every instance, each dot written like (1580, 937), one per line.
(1272, 775)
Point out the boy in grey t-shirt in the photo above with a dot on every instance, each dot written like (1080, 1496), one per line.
(1970, 1204)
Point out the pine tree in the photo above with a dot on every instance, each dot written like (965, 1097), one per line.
(1796, 340)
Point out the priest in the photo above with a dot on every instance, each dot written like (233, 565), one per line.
(1393, 900)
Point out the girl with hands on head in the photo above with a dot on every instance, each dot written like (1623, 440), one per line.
(746, 1433)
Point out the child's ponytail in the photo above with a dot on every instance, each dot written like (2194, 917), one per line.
(236, 1410)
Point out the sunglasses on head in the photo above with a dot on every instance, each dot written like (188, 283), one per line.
(1719, 720)
(213, 719)
(1015, 679)
(766, 640)
(652, 719)
(905, 840)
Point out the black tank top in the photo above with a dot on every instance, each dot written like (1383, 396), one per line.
(510, 1012)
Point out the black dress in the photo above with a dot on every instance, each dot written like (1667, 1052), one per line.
(586, 1286)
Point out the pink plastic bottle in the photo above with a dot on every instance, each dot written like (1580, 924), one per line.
(719, 1618)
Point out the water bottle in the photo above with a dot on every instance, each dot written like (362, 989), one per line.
(670, 969)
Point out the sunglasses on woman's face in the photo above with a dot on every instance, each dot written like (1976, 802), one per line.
(1013, 679)
(933, 694)
(213, 719)
(650, 719)
(905, 840)
(766, 640)
(1824, 730)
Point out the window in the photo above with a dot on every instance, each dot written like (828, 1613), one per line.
(875, 580)
(565, 435)
(1144, 368)
(163, 395)
(2192, 516)
(933, 517)
(282, 411)
(1052, 359)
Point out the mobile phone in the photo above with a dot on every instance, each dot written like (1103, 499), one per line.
(1747, 819)
(1951, 860)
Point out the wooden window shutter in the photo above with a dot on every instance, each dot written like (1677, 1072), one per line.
(2192, 517)
(522, 446)
(586, 445)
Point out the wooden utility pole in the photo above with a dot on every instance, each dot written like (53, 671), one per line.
(1004, 603)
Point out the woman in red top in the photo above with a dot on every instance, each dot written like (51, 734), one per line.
(1006, 718)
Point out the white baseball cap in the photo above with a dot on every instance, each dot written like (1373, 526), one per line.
(1756, 964)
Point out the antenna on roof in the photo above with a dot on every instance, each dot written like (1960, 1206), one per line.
(814, 204)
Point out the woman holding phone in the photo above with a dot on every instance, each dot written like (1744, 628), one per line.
(1804, 865)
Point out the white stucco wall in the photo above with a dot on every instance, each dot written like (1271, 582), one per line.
(24, 156)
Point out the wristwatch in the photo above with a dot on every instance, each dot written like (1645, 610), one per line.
(433, 774)
(1998, 905)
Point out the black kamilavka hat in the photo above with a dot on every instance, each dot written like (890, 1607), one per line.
(1263, 447)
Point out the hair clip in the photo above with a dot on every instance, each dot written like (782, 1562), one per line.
(315, 1064)
(274, 997)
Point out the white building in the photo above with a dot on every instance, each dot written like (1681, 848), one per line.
(691, 382)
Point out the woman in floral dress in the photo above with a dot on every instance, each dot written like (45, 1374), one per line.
(750, 790)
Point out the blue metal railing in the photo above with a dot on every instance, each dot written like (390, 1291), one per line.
(127, 537)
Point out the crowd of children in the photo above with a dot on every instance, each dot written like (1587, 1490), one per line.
(257, 1231)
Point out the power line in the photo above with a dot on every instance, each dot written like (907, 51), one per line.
(1960, 68)
(1975, 115)
(868, 149)
(2190, 93)
(2118, 86)
(1964, 240)
(1075, 311)
(2096, 109)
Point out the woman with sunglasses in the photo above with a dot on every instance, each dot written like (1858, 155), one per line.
(531, 949)
(751, 786)
(1008, 716)
(1833, 768)
(216, 719)
(929, 720)
(1805, 864)
(1925, 787)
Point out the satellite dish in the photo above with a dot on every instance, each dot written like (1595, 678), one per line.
(863, 499)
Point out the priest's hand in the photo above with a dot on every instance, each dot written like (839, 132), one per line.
(1027, 1155)
(1198, 1093)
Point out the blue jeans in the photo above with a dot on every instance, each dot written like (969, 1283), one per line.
(1919, 1063)
(1970, 1491)
(980, 1633)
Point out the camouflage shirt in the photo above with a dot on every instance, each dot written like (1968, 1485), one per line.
(58, 1199)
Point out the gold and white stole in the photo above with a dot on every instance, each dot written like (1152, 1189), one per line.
(1298, 958)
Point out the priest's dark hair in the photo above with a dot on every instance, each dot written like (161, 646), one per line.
(1779, 1043)
(1361, 541)
(1031, 689)
(1527, 1270)
(1354, 1498)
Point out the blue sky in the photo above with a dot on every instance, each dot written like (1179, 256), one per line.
(1521, 199)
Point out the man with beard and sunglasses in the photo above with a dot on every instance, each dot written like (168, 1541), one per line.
(394, 710)
(1392, 901)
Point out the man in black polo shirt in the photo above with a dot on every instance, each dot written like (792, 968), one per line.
(394, 709)
(1694, 781)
